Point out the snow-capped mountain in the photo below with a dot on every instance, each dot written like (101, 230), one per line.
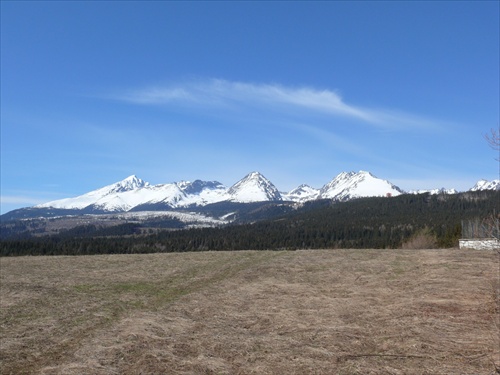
(486, 185)
(302, 193)
(200, 193)
(254, 187)
(110, 197)
(134, 194)
(130, 183)
(350, 185)
(198, 186)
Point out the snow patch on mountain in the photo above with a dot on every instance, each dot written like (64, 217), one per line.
(192, 219)
(434, 191)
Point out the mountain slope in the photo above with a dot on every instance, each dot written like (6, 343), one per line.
(108, 197)
(302, 193)
(350, 185)
(254, 187)
(486, 185)
(360, 223)
(134, 194)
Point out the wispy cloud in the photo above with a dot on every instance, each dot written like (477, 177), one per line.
(21, 199)
(330, 138)
(25, 198)
(216, 92)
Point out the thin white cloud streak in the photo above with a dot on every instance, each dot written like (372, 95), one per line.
(21, 199)
(159, 96)
(330, 138)
(13, 199)
(277, 97)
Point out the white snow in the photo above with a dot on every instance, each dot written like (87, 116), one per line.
(194, 218)
(206, 196)
(348, 185)
(132, 192)
(254, 187)
(486, 185)
(302, 193)
(120, 197)
(434, 191)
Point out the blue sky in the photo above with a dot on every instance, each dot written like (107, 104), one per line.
(92, 92)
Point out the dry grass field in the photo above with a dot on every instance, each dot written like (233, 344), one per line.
(249, 312)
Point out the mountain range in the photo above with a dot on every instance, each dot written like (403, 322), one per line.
(135, 195)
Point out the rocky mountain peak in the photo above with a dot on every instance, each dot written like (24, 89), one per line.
(254, 187)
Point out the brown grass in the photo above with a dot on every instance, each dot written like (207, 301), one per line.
(302, 312)
(420, 241)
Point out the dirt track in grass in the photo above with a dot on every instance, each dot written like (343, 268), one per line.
(249, 312)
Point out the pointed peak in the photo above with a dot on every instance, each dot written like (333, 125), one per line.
(345, 174)
(302, 193)
(254, 187)
(132, 178)
(486, 185)
(254, 175)
(348, 185)
(130, 183)
(365, 173)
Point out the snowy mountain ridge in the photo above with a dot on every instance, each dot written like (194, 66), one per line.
(135, 194)
(486, 185)
(350, 185)
(302, 193)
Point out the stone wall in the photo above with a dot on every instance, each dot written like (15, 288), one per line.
(480, 244)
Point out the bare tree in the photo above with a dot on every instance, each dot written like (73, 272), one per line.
(493, 139)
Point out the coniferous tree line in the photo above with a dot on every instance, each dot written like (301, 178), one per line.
(360, 223)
